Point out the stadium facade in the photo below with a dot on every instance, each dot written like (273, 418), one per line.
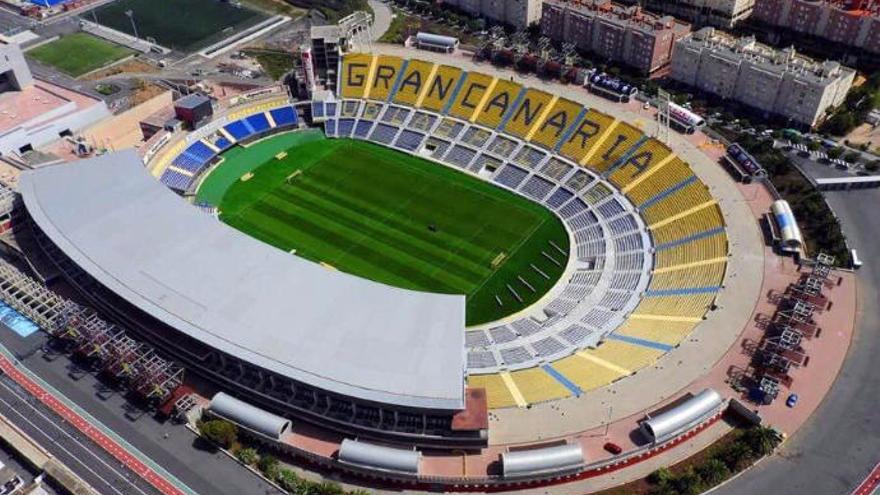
(370, 361)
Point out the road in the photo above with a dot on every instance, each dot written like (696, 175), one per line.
(840, 444)
(86, 459)
(381, 18)
(206, 471)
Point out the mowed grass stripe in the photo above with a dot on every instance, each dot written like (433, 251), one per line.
(310, 232)
(367, 210)
(456, 202)
(402, 219)
(373, 252)
(376, 227)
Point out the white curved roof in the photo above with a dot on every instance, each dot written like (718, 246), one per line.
(324, 328)
(252, 417)
(379, 457)
(684, 415)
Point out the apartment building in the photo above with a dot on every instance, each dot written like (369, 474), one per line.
(779, 82)
(720, 13)
(850, 22)
(625, 34)
(517, 13)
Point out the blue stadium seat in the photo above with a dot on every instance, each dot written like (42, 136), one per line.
(238, 130)
(410, 140)
(222, 143)
(318, 109)
(284, 116)
(176, 180)
(258, 122)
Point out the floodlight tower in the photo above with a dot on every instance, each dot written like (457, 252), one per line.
(130, 14)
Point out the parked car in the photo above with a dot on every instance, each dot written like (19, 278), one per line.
(792, 400)
(613, 448)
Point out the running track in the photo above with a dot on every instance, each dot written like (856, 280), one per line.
(105, 442)
(870, 483)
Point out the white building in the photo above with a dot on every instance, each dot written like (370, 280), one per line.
(34, 113)
(779, 82)
(722, 13)
(518, 13)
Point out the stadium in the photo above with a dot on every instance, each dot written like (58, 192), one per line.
(395, 262)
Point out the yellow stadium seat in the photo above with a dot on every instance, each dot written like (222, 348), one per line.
(694, 275)
(664, 332)
(563, 115)
(355, 74)
(536, 385)
(414, 82)
(384, 76)
(706, 248)
(528, 113)
(625, 355)
(704, 219)
(470, 96)
(693, 305)
(691, 195)
(673, 172)
(500, 101)
(648, 155)
(497, 393)
(588, 372)
(441, 87)
(614, 147)
(586, 135)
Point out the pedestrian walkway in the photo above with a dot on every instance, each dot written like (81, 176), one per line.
(134, 460)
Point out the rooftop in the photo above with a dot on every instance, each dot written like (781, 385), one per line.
(748, 48)
(630, 15)
(328, 329)
(33, 104)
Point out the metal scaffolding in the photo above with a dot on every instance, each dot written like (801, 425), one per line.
(90, 336)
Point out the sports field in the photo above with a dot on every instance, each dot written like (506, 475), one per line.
(185, 25)
(393, 218)
(79, 53)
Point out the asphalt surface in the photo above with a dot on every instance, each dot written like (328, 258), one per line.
(87, 460)
(171, 445)
(840, 444)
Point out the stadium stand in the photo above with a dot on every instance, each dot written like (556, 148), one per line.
(470, 95)
(502, 99)
(533, 105)
(658, 235)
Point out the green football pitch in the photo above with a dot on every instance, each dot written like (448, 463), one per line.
(185, 25)
(79, 53)
(393, 218)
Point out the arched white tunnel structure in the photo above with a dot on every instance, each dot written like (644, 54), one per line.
(682, 417)
(550, 460)
(248, 416)
(379, 458)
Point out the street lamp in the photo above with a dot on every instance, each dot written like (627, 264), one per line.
(130, 14)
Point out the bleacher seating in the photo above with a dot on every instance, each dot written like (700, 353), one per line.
(557, 153)
(284, 116)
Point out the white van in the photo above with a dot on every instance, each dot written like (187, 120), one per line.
(856, 262)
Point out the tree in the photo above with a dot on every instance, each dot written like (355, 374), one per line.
(661, 476)
(852, 157)
(813, 145)
(689, 483)
(289, 480)
(266, 462)
(872, 166)
(713, 472)
(761, 440)
(737, 456)
(835, 152)
(218, 431)
(248, 456)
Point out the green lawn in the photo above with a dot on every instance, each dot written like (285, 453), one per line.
(393, 218)
(79, 53)
(186, 25)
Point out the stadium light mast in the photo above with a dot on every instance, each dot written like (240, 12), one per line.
(130, 14)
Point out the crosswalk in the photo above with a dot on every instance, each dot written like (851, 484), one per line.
(819, 155)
